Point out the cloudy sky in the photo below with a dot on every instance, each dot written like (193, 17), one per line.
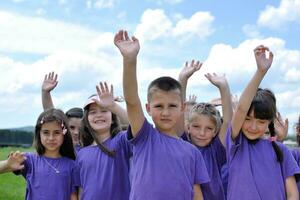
(75, 39)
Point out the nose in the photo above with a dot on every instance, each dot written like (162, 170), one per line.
(165, 112)
(202, 132)
(51, 137)
(253, 126)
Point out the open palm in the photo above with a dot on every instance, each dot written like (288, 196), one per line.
(106, 97)
(50, 82)
(263, 63)
(129, 48)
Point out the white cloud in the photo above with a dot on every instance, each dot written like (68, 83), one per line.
(40, 11)
(100, 4)
(288, 11)
(155, 24)
(89, 4)
(290, 98)
(292, 75)
(62, 2)
(40, 36)
(199, 24)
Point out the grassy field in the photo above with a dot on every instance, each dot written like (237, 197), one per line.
(12, 187)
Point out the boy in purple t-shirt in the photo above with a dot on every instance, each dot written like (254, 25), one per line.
(164, 166)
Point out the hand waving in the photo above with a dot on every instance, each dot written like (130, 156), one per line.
(129, 48)
(106, 97)
(15, 160)
(50, 82)
(217, 80)
(189, 69)
(263, 63)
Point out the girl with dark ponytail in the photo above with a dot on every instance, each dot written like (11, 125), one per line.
(259, 168)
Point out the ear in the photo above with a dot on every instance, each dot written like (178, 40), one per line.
(147, 105)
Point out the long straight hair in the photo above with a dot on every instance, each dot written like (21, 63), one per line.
(88, 134)
(54, 115)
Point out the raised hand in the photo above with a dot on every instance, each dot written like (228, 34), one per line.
(192, 98)
(106, 97)
(281, 127)
(15, 161)
(50, 82)
(217, 80)
(129, 47)
(263, 63)
(189, 69)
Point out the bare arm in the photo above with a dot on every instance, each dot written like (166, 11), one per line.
(184, 75)
(129, 49)
(50, 82)
(221, 83)
(263, 64)
(291, 188)
(107, 101)
(14, 162)
(74, 196)
(197, 192)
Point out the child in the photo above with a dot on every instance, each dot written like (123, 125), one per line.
(51, 173)
(104, 159)
(258, 168)
(74, 114)
(296, 152)
(207, 131)
(164, 166)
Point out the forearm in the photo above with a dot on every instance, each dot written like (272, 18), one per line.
(4, 167)
(120, 112)
(47, 100)
(130, 87)
(183, 83)
(226, 110)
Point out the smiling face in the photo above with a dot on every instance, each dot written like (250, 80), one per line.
(99, 119)
(202, 129)
(254, 128)
(165, 108)
(52, 137)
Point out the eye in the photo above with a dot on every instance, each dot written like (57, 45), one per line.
(92, 112)
(72, 127)
(173, 106)
(45, 133)
(157, 106)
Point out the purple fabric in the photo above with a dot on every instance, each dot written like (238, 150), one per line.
(102, 176)
(215, 157)
(77, 148)
(296, 155)
(43, 183)
(254, 172)
(164, 167)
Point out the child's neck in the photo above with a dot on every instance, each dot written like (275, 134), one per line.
(171, 133)
(52, 154)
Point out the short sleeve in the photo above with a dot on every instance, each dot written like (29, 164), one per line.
(289, 165)
(201, 174)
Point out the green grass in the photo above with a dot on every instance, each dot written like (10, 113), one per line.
(12, 187)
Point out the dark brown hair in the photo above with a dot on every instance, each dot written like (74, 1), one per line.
(264, 107)
(54, 115)
(88, 134)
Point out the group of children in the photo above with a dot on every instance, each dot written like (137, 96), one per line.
(85, 154)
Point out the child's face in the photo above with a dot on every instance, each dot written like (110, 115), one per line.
(74, 124)
(165, 108)
(51, 137)
(99, 119)
(254, 128)
(201, 129)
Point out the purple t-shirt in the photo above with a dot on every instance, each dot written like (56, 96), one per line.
(49, 178)
(215, 157)
(254, 172)
(102, 176)
(296, 154)
(164, 167)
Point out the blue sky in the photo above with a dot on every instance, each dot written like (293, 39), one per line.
(75, 39)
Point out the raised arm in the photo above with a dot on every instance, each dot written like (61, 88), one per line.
(221, 83)
(129, 48)
(263, 65)
(187, 71)
(14, 162)
(107, 101)
(50, 82)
